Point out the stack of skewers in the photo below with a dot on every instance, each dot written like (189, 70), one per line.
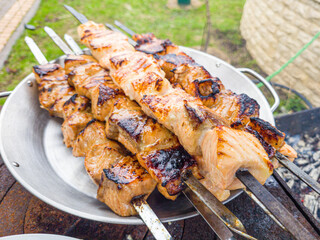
(213, 132)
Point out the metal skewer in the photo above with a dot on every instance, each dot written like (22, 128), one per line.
(298, 172)
(73, 45)
(229, 219)
(280, 157)
(273, 205)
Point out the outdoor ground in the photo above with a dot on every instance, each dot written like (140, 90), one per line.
(182, 26)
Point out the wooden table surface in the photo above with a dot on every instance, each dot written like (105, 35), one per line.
(21, 212)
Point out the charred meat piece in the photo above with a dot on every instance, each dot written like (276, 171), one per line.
(123, 182)
(149, 44)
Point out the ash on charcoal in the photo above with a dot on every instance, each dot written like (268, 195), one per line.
(308, 149)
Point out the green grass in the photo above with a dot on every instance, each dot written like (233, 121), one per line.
(183, 27)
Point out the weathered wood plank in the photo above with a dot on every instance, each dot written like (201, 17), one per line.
(6, 181)
(13, 208)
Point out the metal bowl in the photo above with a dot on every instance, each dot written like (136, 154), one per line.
(32, 148)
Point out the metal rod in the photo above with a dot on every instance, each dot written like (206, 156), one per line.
(274, 206)
(73, 45)
(80, 17)
(113, 28)
(64, 47)
(36, 51)
(5, 94)
(257, 201)
(214, 205)
(124, 28)
(298, 172)
(150, 219)
(218, 226)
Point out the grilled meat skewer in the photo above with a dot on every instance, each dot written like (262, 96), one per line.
(196, 126)
(268, 135)
(106, 162)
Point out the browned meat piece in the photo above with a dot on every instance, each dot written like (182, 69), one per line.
(53, 88)
(72, 126)
(103, 156)
(47, 70)
(103, 98)
(123, 182)
(91, 135)
(80, 73)
(149, 44)
(76, 104)
(75, 61)
(196, 126)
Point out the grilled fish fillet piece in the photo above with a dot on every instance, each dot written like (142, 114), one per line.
(92, 134)
(155, 147)
(123, 182)
(103, 156)
(141, 79)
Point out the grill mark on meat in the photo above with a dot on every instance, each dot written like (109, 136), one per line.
(270, 133)
(71, 100)
(168, 164)
(106, 93)
(43, 70)
(194, 115)
(88, 124)
(123, 175)
(133, 126)
(178, 60)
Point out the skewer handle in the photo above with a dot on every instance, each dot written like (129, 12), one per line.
(64, 47)
(73, 45)
(151, 220)
(80, 17)
(274, 206)
(124, 28)
(298, 172)
(208, 204)
(36, 51)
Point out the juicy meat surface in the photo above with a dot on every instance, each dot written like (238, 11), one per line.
(123, 182)
(92, 134)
